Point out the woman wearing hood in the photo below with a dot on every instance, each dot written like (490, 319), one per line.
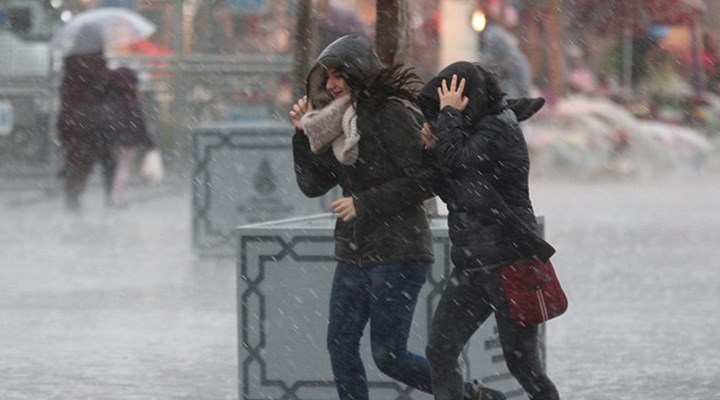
(484, 160)
(355, 130)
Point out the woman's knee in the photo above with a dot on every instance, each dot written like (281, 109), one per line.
(523, 365)
(385, 359)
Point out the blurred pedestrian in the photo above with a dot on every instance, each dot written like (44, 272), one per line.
(130, 136)
(502, 55)
(82, 122)
(484, 162)
(355, 129)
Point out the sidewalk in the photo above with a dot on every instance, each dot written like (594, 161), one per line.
(112, 303)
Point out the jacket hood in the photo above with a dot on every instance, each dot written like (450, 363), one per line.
(476, 89)
(353, 56)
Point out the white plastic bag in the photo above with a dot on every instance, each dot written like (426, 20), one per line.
(152, 169)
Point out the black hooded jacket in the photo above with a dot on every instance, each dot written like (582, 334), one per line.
(387, 182)
(484, 160)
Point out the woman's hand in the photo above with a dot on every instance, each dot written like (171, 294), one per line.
(298, 110)
(427, 136)
(453, 96)
(344, 208)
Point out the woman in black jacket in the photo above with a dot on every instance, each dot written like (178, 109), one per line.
(484, 160)
(355, 130)
(82, 120)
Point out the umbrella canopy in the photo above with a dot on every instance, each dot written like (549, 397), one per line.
(100, 28)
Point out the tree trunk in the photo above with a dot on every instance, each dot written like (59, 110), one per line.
(555, 49)
(303, 41)
(392, 31)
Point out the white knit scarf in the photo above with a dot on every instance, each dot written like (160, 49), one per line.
(334, 125)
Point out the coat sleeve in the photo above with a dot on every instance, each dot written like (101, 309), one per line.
(316, 174)
(412, 182)
(458, 148)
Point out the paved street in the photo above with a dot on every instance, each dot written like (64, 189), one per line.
(113, 304)
(640, 265)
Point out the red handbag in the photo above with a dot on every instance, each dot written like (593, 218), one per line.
(533, 292)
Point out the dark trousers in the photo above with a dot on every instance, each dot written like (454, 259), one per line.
(469, 298)
(81, 154)
(385, 296)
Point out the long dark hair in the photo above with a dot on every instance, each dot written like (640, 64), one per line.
(397, 81)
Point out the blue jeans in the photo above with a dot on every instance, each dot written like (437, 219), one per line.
(384, 295)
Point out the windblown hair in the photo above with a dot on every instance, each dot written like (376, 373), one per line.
(396, 81)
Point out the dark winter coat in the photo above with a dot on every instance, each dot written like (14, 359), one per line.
(485, 163)
(387, 182)
(127, 122)
(83, 92)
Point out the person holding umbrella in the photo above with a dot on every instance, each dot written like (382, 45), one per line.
(85, 119)
(82, 124)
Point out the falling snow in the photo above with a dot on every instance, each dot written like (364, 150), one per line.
(114, 304)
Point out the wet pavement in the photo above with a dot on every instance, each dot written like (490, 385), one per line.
(640, 263)
(114, 304)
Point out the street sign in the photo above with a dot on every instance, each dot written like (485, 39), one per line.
(6, 118)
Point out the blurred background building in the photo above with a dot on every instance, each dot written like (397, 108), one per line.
(226, 61)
